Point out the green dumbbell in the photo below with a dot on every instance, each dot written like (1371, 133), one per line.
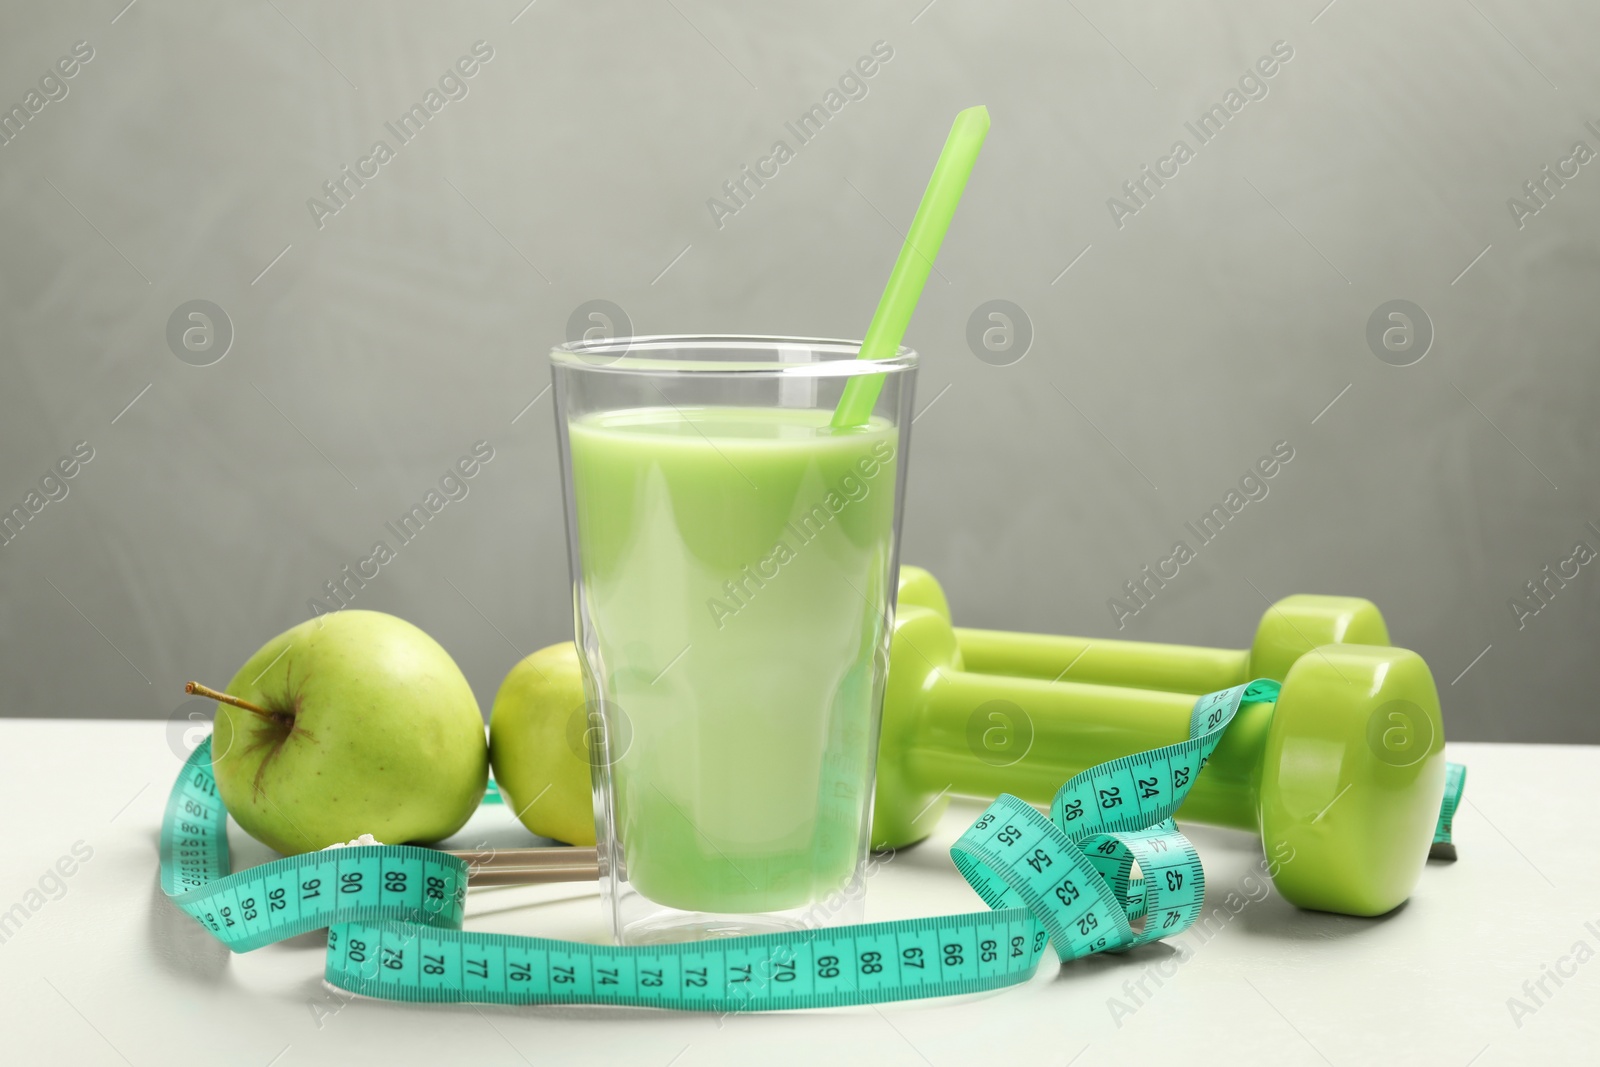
(1290, 628)
(1342, 777)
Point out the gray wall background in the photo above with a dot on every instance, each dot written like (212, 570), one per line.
(1224, 316)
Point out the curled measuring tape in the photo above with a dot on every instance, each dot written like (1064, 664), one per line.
(394, 912)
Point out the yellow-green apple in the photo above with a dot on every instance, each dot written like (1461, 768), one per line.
(537, 762)
(366, 726)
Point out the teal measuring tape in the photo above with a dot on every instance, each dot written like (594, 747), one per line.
(394, 912)
(1455, 780)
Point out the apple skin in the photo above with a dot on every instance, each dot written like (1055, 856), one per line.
(545, 782)
(378, 733)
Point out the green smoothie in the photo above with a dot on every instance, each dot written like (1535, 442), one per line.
(735, 563)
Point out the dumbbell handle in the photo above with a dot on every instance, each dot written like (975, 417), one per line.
(1291, 627)
(1173, 668)
(1076, 726)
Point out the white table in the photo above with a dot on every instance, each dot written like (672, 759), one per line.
(111, 973)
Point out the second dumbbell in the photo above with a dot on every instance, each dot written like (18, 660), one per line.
(1290, 628)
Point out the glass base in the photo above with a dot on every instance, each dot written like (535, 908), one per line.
(638, 921)
(699, 926)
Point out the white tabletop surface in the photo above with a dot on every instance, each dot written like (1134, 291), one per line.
(108, 972)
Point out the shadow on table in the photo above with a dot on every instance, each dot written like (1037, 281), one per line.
(186, 949)
(1271, 918)
(1276, 918)
(331, 1002)
(919, 855)
(181, 946)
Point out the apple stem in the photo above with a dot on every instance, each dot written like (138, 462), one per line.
(226, 698)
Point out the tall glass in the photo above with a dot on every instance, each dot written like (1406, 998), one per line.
(733, 561)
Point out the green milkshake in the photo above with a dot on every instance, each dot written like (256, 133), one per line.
(730, 558)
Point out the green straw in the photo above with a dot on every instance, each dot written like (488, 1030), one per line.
(910, 272)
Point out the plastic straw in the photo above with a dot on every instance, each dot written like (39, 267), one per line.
(911, 269)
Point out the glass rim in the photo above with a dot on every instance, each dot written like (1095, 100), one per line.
(648, 355)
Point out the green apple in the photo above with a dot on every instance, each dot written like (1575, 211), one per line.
(537, 765)
(370, 728)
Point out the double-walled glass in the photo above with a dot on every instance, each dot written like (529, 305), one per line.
(733, 560)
